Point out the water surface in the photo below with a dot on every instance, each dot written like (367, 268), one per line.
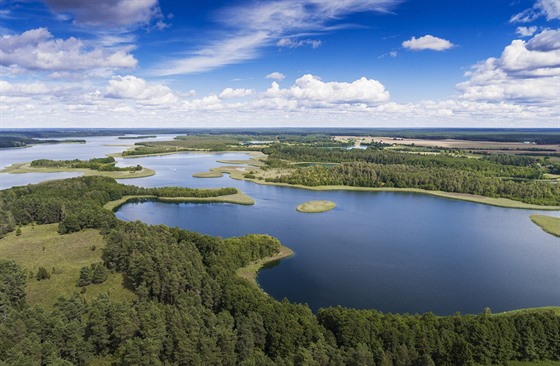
(396, 252)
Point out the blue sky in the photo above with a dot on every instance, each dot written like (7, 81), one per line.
(317, 63)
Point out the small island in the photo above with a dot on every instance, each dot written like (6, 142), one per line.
(316, 206)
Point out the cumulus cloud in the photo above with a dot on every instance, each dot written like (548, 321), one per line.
(276, 76)
(310, 91)
(113, 13)
(526, 72)
(526, 31)
(308, 102)
(545, 41)
(37, 49)
(132, 87)
(254, 25)
(291, 43)
(229, 93)
(427, 42)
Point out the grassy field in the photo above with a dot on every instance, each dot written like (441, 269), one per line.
(239, 198)
(549, 224)
(250, 271)
(22, 168)
(62, 256)
(316, 206)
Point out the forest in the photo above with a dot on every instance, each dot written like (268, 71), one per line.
(106, 164)
(514, 177)
(192, 309)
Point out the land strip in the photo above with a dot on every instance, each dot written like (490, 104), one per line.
(239, 198)
(250, 271)
(23, 168)
(240, 173)
(549, 224)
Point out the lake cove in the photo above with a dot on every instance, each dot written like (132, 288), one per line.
(395, 252)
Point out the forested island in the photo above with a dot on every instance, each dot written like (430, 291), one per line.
(96, 166)
(190, 307)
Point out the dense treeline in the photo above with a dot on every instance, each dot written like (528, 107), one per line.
(77, 203)
(488, 167)
(192, 309)
(19, 141)
(539, 136)
(500, 176)
(101, 164)
(433, 179)
(230, 142)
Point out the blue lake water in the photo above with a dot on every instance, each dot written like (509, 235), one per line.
(396, 252)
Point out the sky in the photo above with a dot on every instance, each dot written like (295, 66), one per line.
(279, 63)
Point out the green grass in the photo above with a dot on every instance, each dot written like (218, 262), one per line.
(42, 246)
(22, 168)
(213, 173)
(250, 271)
(316, 206)
(549, 224)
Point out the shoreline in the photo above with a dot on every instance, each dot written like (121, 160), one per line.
(24, 168)
(251, 270)
(234, 173)
(548, 224)
(239, 199)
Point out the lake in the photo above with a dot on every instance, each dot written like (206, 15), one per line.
(395, 252)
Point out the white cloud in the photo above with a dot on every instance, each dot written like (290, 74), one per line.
(526, 31)
(251, 27)
(310, 92)
(7, 88)
(290, 43)
(276, 76)
(547, 40)
(427, 42)
(542, 8)
(518, 59)
(225, 52)
(392, 54)
(526, 72)
(229, 93)
(308, 102)
(37, 49)
(113, 13)
(131, 87)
